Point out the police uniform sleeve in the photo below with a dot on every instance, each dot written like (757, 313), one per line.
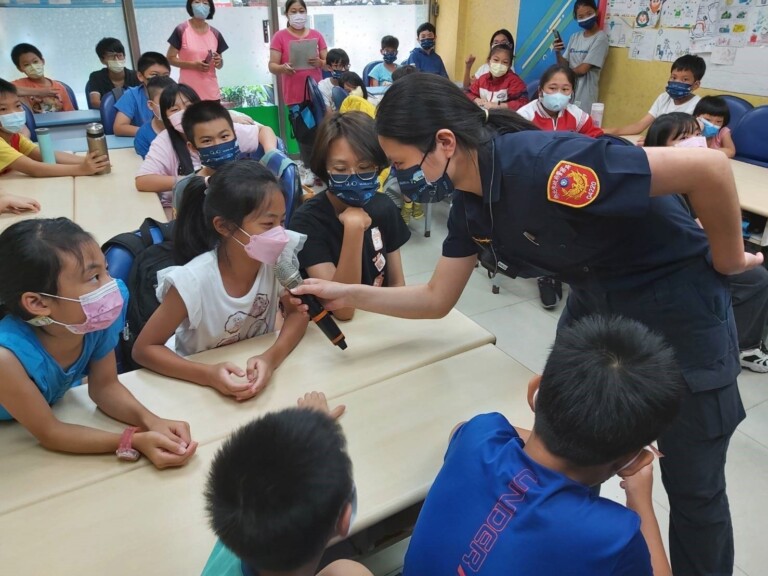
(596, 177)
(458, 243)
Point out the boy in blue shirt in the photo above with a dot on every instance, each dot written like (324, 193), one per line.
(510, 501)
(146, 134)
(278, 491)
(424, 57)
(132, 109)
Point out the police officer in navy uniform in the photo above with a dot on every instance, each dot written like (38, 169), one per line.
(603, 218)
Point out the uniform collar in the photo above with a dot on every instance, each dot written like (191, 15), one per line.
(490, 170)
(542, 112)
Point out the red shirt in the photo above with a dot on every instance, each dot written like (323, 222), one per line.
(508, 89)
(572, 119)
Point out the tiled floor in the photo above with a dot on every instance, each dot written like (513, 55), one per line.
(525, 332)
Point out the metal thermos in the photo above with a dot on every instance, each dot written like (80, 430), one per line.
(97, 142)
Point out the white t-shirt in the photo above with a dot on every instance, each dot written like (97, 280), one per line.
(214, 318)
(664, 105)
(326, 89)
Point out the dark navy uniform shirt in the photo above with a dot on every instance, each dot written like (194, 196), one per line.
(573, 206)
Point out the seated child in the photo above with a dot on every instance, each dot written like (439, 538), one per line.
(149, 130)
(500, 87)
(749, 290)
(712, 112)
(268, 532)
(498, 37)
(508, 497)
(39, 93)
(403, 71)
(12, 204)
(685, 78)
(424, 57)
(354, 235)
(111, 53)
(228, 236)
(353, 84)
(337, 61)
(62, 317)
(553, 109)
(381, 74)
(21, 154)
(132, 109)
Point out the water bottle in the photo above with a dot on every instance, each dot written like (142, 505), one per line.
(45, 143)
(597, 113)
(97, 142)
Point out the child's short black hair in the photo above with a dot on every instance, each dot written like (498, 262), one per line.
(692, 63)
(203, 111)
(714, 106)
(149, 59)
(403, 71)
(211, 5)
(7, 87)
(353, 79)
(426, 27)
(108, 45)
(336, 56)
(579, 3)
(390, 42)
(157, 84)
(610, 387)
(23, 48)
(671, 126)
(277, 487)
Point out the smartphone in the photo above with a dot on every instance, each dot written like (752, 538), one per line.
(209, 57)
(557, 36)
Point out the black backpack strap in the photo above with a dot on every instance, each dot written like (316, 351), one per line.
(145, 231)
(127, 240)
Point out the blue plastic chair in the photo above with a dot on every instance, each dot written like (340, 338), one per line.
(367, 70)
(30, 122)
(737, 107)
(108, 112)
(71, 94)
(338, 95)
(749, 137)
(533, 90)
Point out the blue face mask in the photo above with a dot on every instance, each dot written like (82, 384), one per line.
(678, 90)
(708, 130)
(414, 184)
(555, 102)
(389, 57)
(337, 74)
(13, 122)
(354, 190)
(220, 154)
(588, 23)
(427, 43)
(201, 11)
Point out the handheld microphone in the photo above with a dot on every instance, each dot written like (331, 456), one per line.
(289, 277)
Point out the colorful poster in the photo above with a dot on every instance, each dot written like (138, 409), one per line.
(671, 43)
(679, 14)
(642, 45)
(648, 13)
(758, 26)
(732, 27)
(704, 30)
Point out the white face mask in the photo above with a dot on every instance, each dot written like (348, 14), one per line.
(498, 69)
(34, 70)
(297, 20)
(116, 65)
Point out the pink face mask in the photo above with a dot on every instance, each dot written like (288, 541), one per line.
(175, 120)
(692, 142)
(101, 307)
(266, 247)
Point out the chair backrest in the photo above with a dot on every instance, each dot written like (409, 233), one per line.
(367, 70)
(71, 94)
(316, 98)
(338, 95)
(750, 137)
(108, 112)
(30, 122)
(533, 89)
(737, 107)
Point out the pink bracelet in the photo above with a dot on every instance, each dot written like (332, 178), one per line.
(125, 451)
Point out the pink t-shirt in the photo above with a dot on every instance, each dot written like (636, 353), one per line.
(293, 85)
(717, 142)
(193, 46)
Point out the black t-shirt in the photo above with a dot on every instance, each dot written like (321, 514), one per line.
(317, 219)
(99, 81)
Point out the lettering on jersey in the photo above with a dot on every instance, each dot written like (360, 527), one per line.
(495, 523)
(573, 185)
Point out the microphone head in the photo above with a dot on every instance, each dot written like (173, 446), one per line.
(288, 274)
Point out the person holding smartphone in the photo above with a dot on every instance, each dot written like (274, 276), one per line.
(196, 48)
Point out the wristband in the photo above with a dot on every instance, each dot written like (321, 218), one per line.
(125, 451)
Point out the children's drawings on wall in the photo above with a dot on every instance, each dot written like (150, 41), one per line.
(671, 43)
(723, 55)
(758, 26)
(623, 8)
(642, 44)
(704, 30)
(619, 31)
(679, 14)
(733, 21)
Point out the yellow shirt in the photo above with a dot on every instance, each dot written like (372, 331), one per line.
(9, 153)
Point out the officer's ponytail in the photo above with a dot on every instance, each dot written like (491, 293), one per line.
(418, 105)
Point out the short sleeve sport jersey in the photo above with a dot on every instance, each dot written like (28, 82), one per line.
(493, 511)
(50, 378)
(557, 203)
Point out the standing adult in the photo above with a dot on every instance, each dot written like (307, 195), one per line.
(196, 48)
(605, 219)
(585, 54)
(293, 75)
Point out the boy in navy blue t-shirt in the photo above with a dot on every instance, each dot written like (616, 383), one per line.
(424, 57)
(510, 501)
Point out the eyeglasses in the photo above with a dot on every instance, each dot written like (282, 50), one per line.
(366, 175)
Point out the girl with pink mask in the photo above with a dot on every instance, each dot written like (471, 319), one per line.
(229, 234)
(62, 316)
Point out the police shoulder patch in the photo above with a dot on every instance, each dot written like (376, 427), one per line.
(572, 184)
